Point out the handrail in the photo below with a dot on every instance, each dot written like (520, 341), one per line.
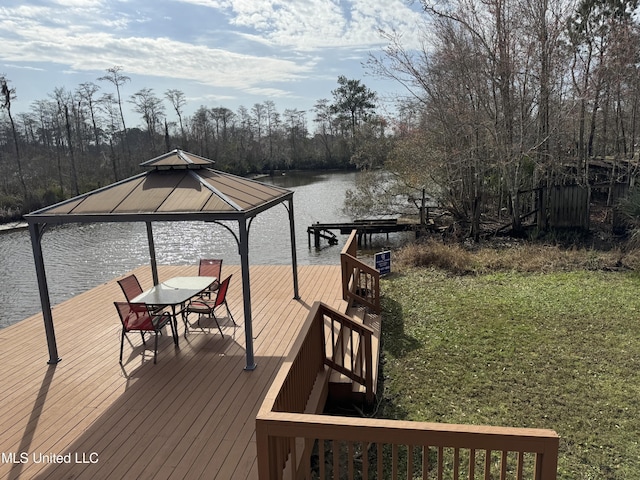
(351, 245)
(360, 282)
(349, 348)
(401, 449)
(287, 434)
(293, 387)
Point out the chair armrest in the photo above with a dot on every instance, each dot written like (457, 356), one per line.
(160, 320)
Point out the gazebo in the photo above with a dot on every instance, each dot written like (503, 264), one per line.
(179, 186)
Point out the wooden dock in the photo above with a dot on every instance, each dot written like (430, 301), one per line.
(192, 415)
(364, 229)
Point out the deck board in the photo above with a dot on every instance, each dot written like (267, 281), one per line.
(190, 416)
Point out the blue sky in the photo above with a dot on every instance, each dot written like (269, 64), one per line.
(218, 52)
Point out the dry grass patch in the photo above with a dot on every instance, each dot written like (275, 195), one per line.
(462, 259)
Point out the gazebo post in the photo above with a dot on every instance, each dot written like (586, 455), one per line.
(294, 256)
(246, 293)
(43, 288)
(152, 254)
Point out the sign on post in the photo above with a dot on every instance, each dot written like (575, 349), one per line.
(383, 262)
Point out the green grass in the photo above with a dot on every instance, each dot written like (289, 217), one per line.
(556, 350)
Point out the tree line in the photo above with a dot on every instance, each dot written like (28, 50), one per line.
(506, 96)
(75, 141)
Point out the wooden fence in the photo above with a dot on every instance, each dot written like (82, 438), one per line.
(565, 206)
(569, 206)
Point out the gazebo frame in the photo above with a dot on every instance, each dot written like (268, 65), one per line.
(188, 170)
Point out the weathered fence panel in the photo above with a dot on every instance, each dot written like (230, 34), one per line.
(568, 206)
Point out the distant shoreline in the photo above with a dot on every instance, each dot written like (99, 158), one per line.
(13, 226)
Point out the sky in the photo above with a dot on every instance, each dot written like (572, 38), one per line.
(219, 53)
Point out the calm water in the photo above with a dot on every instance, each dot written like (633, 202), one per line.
(79, 257)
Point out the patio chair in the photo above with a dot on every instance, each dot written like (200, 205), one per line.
(210, 267)
(205, 307)
(137, 317)
(130, 287)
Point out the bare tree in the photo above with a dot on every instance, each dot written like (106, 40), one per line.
(8, 95)
(108, 105)
(150, 107)
(63, 99)
(87, 92)
(273, 124)
(178, 101)
(118, 80)
(259, 119)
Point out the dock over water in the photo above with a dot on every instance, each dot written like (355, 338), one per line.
(365, 229)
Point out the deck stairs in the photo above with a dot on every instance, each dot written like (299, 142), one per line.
(343, 390)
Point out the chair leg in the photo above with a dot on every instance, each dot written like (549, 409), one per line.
(142, 335)
(121, 345)
(155, 348)
(229, 313)
(213, 315)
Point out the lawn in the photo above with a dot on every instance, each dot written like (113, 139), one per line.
(558, 350)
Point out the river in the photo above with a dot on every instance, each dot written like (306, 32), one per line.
(81, 256)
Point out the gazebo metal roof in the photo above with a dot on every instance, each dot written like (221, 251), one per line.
(179, 186)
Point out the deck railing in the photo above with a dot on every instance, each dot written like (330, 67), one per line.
(328, 340)
(348, 348)
(360, 282)
(295, 442)
(356, 448)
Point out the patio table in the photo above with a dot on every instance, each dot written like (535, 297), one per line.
(173, 293)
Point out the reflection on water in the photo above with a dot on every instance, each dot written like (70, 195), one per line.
(81, 256)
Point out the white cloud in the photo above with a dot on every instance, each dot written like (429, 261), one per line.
(225, 49)
(23, 67)
(78, 3)
(84, 48)
(305, 25)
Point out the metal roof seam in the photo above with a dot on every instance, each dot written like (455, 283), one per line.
(183, 157)
(173, 189)
(215, 191)
(115, 207)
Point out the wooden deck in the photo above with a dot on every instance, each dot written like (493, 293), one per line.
(190, 416)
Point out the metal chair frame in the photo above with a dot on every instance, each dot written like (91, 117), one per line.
(202, 306)
(138, 317)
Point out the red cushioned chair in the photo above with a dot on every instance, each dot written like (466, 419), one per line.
(137, 317)
(205, 307)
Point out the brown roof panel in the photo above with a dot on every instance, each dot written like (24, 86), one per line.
(188, 196)
(151, 193)
(106, 200)
(216, 204)
(243, 192)
(66, 207)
